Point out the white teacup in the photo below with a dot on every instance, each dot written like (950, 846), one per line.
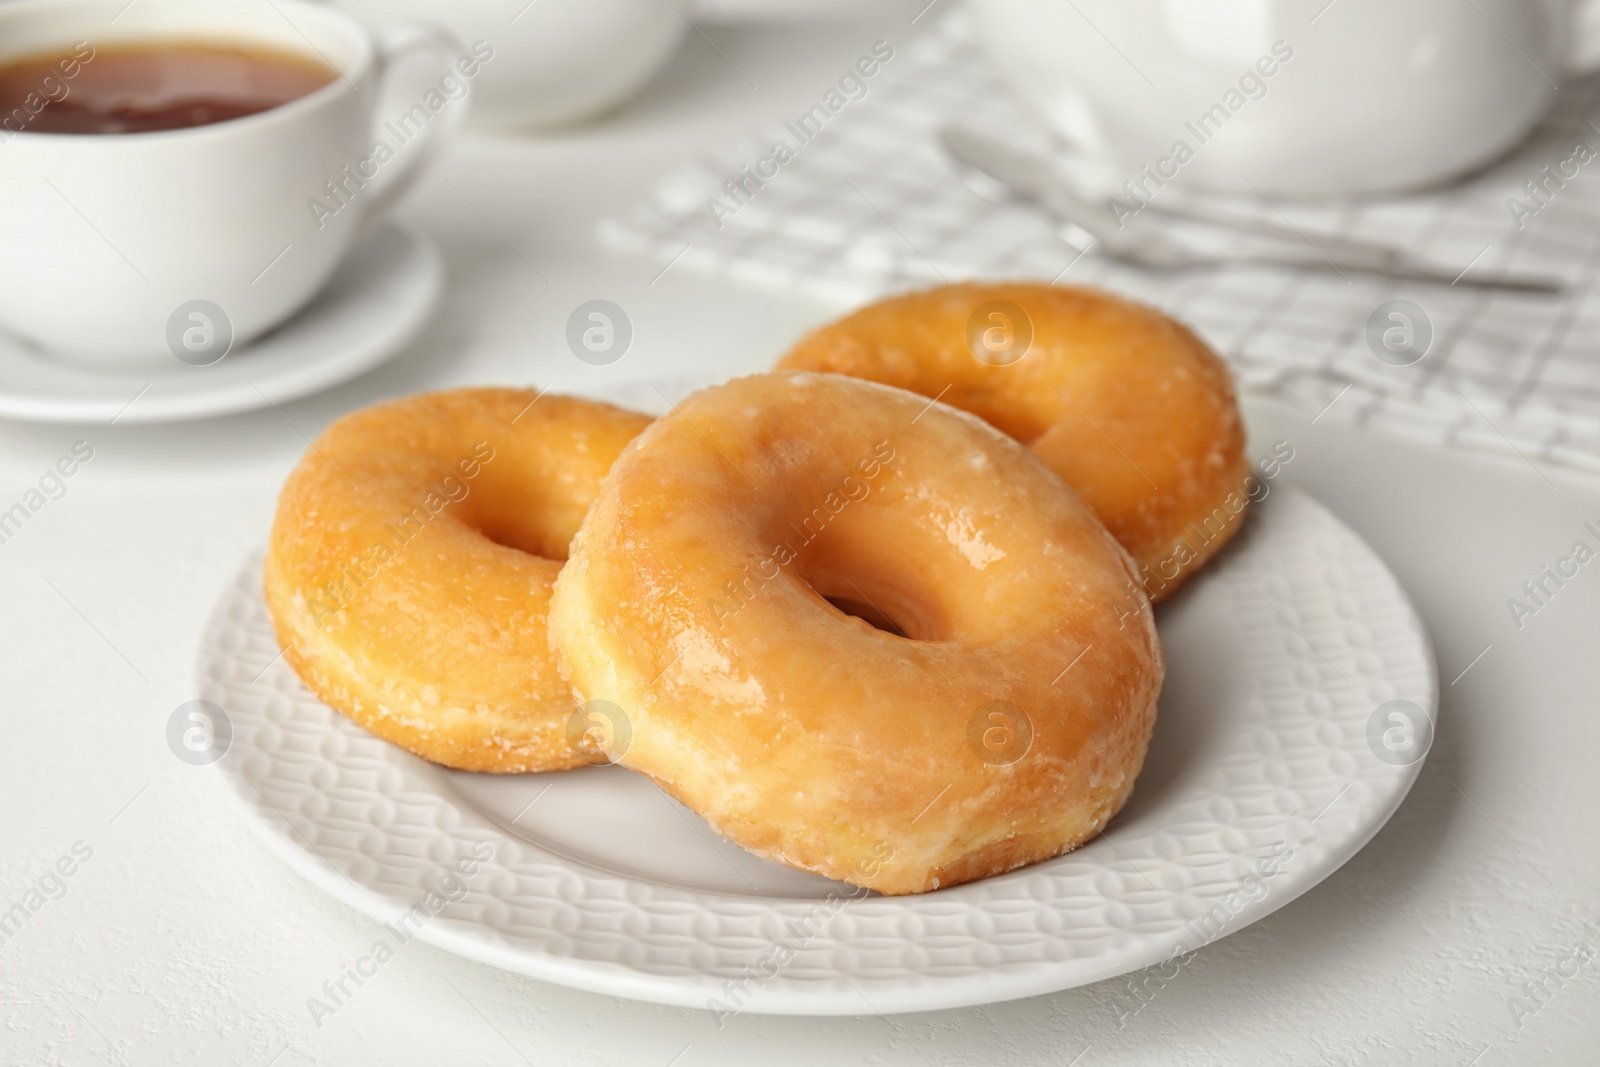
(555, 61)
(137, 248)
(1298, 97)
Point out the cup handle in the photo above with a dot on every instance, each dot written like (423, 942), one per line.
(1584, 54)
(393, 44)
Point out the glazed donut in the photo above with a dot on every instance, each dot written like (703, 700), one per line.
(1128, 406)
(410, 564)
(712, 597)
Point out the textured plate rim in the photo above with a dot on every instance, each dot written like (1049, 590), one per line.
(844, 993)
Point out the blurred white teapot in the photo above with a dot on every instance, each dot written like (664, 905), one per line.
(1300, 97)
(552, 61)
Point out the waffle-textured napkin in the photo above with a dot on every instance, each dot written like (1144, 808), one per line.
(866, 203)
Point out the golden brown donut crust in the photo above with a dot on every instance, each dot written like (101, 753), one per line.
(695, 601)
(410, 564)
(1127, 405)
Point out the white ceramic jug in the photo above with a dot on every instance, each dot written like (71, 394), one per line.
(1294, 97)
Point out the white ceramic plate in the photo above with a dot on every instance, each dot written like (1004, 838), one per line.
(1279, 656)
(377, 301)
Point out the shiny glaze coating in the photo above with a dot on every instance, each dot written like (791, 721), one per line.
(1127, 405)
(700, 600)
(410, 566)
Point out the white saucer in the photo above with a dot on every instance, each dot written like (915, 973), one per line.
(377, 301)
(1270, 767)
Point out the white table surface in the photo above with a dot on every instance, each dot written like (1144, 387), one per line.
(182, 940)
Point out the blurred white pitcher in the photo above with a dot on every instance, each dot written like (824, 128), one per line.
(1297, 97)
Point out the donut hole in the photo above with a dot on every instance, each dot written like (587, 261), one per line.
(868, 613)
(539, 528)
(861, 579)
(521, 537)
(882, 605)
